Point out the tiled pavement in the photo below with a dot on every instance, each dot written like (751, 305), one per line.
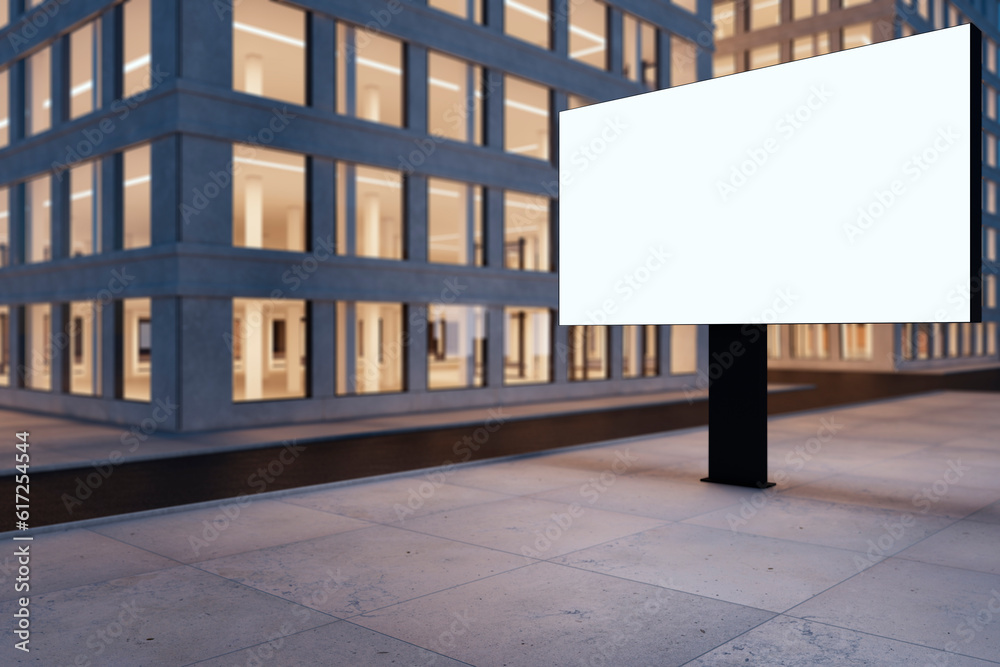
(879, 546)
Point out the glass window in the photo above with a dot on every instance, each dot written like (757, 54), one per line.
(526, 232)
(801, 9)
(764, 13)
(371, 347)
(136, 196)
(527, 345)
(527, 20)
(803, 47)
(456, 346)
(856, 341)
(774, 341)
(454, 222)
(4, 109)
(683, 61)
(269, 200)
(639, 351)
(369, 211)
(683, 348)
(38, 220)
(369, 76)
(137, 64)
(588, 346)
(810, 341)
(859, 34)
(4, 228)
(38, 93)
(724, 17)
(588, 32)
(460, 8)
(764, 56)
(38, 346)
(84, 329)
(4, 346)
(454, 99)
(723, 64)
(137, 346)
(269, 50)
(84, 209)
(526, 118)
(639, 62)
(270, 350)
(85, 69)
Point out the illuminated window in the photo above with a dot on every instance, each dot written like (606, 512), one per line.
(859, 34)
(527, 345)
(810, 341)
(526, 118)
(371, 347)
(526, 232)
(84, 330)
(460, 8)
(38, 92)
(4, 109)
(856, 341)
(588, 346)
(640, 347)
(683, 61)
(723, 64)
(527, 20)
(137, 64)
(85, 69)
(724, 17)
(5, 258)
(803, 47)
(270, 350)
(269, 199)
(369, 76)
(588, 32)
(764, 13)
(454, 222)
(137, 349)
(456, 346)
(269, 50)
(683, 348)
(38, 347)
(4, 346)
(38, 220)
(764, 56)
(136, 197)
(84, 209)
(639, 62)
(369, 212)
(454, 99)
(773, 341)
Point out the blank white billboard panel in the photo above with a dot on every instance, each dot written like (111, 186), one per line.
(841, 188)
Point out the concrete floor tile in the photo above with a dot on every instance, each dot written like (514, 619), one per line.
(548, 614)
(972, 545)
(169, 617)
(337, 643)
(363, 569)
(394, 501)
(792, 642)
(75, 558)
(940, 607)
(670, 495)
(840, 525)
(532, 527)
(231, 528)
(759, 572)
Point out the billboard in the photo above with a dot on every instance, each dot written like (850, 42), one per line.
(840, 188)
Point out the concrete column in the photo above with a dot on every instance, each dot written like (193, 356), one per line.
(322, 56)
(415, 228)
